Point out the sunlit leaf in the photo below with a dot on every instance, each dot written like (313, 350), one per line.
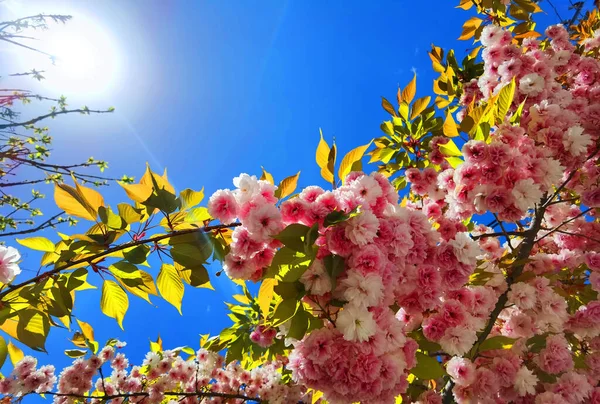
(287, 186)
(419, 106)
(265, 295)
(469, 28)
(114, 301)
(409, 92)
(349, 159)
(37, 243)
(170, 285)
(323, 157)
(449, 127)
(15, 354)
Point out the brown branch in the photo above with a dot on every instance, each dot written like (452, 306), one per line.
(88, 260)
(14, 184)
(52, 115)
(524, 250)
(499, 234)
(569, 178)
(563, 223)
(48, 223)
(146, 394)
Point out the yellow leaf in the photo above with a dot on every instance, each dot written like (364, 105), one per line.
(505, 99)
(190, 198)
(399, 96)
(465, 4)
(388, 106)
(449, 127)
(449, 149)
(454, 161)
(37, 243)
(265, 294)
(170, 285)
(323, 157)
(419, 106)
(91, 196)
(86, 330)
(156, 346)
(79, 201)
(114, 301)
(15, 354)
(266, 176)
(409, 92)
(349, 159)
(316, 395)
(137, 192)
(469, 28)
(161, 181)
(287, 186)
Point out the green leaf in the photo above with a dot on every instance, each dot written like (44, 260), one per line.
(199, 276)
(114, 301)
(284, 311)
(292, 236)
(33, 328)
(170, 285)
(110, 219)
(497, 342)
(427, 368)
(137, 255)
(192, 255)
(125, 270)
(335, 217)
(37, 243)
(299, 324)
(129, 213)
(3, 351)
(334, 265)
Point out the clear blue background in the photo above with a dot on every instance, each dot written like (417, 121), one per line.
(211, 89)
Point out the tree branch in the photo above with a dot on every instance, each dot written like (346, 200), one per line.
(88, 260)
(146, 394)
(51, 115)
(47, 223)
(524, 250)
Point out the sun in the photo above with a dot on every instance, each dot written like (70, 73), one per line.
(84, 58)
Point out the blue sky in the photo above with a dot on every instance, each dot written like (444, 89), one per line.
(210, 89)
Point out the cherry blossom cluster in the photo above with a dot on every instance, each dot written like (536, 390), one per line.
(162, 376)
(252, 248)
(392, 255)
(552, 313)
(559, 129)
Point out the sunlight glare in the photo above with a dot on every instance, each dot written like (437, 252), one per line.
(85, 58)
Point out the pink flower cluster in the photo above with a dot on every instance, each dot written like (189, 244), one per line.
(26, 378)
(351, 371)
(391, 255)
(252, 248)
(558, 131)
(162, 376)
